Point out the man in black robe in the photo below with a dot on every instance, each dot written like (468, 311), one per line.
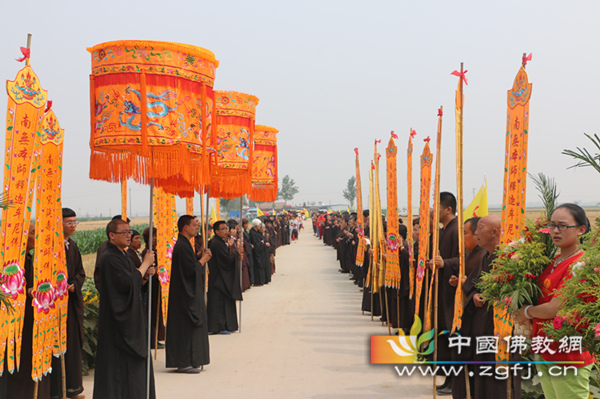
(187, 329)
(224, 282)
(478, 318)
(473, 259)
(75, 337)
(259, 249)
(248, 246)
(99, 252)
(122, 352)
(448, 264)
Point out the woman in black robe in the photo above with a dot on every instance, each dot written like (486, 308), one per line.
(259, 253)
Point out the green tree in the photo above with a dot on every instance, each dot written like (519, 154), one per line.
(350, 191)
(288, 189)
(583, 155)
(231, 204)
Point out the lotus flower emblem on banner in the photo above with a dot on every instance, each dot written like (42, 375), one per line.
(13, 279)
(43, 298)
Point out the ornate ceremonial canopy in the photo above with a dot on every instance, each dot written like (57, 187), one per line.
(264, 166)
(231, 170)
(151, 106)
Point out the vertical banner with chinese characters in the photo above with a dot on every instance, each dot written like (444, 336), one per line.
(409, 225)
(458, 297)
(393, 242)
(26, 102)
(362, 243)
(515, 178)
(436, 231)
(426, 161)
(50, 297)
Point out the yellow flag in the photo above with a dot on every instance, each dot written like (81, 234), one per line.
(306, 214)
(259, 212)
(213, 216)
(479, 205)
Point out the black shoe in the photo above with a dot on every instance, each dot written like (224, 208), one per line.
(445, 391)
(447, 382)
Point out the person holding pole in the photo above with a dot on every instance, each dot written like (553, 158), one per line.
(447, 262)
(187, 329)
(224, 283)
(122, 352)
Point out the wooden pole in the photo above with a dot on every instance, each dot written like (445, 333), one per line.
(156, 330)
(64, 376)
(206, 246)
(36, 385)
(387, 311)
(435, 236)
(241, 243)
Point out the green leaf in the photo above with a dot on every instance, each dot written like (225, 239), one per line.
(425, 337)
(416, 327)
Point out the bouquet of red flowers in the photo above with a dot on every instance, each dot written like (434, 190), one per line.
(579, 314)
(512, 282)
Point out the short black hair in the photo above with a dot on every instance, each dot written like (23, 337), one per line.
(474, 220)
(183, 221)
(68, 213)
(120, 217)
(232, 223)
(447, 199)
(134, 233)
(113, 226)
(146, 234)
(415, 221)
(217, 225)
(403, 231)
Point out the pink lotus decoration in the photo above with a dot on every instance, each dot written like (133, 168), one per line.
(43, 298)
(170, 249)
(392, 242)
(13, 279)
(163, 275)
(420, 270)
(61, 285)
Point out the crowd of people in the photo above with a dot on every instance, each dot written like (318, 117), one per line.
(481, 239)
(238, 257)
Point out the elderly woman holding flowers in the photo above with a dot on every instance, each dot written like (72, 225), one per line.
(566, 227)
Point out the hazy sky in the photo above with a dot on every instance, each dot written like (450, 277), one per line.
(335, 75)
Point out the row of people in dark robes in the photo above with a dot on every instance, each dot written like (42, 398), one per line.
(190, 321)
(340, 232)
(121, 276)
(18, 383)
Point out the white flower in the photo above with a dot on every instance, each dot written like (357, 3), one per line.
(577, 266)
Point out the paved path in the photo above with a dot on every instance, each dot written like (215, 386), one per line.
(303, 336)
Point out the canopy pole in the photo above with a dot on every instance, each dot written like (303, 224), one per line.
(149, 300)
(241, 243)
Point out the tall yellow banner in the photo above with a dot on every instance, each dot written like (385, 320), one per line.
(26, 102)
(362, 243)
(50, 278)
(515, 178)
(165, 215)
(426, 161)
(393, 242)
(409, 225)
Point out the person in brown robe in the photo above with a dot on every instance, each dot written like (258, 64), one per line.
(75, 336)
(478, 319)
(473, 259)
(447, 263)
(19, 383)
